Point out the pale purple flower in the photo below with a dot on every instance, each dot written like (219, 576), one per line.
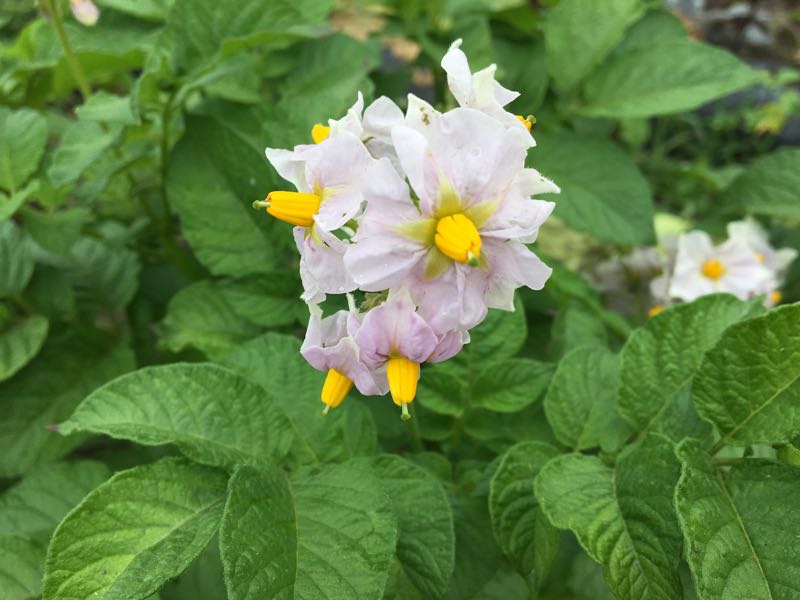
(84, 11)
(330, 344)
(373, 127)
(460, 163)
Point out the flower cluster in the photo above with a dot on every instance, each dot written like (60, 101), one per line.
(688, 265)
(428, 214)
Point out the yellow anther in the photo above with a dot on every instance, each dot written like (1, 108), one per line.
(654, 310)
(335, 389)
(775, 297)
(320, 133)
(457, 238)
(713, 269)
(527, 121)
(297, 208)
(403, 376)
(760, 257)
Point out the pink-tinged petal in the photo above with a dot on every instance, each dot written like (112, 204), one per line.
(689, 287)
(412, 151)
(459, 77)
(322, 345)
(518, 218)
(693, 248)
(395, 329)
(420, 115)
(378, 262)
(455, 300)
(339, 205)
(291, 165)
(449, 345)
(512, 265)
(389, 198)
(477, 154)
(381, 116)
(322, 266)
(351, 121)
(340, 161)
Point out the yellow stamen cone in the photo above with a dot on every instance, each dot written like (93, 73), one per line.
(458, 238)
(335, 388)
(775, 297)
(296, 208)
(654, 310)
(527, 121)
(403, 375)
(320, 133)
(713, 269)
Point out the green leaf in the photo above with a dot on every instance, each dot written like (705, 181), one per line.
(37, 504)
(574, 327)
(768, 186)
(520, 528)
(331, 535)
(602, 190)
(426, 541)
(104, 275)
(501, 335)
(108, 108)
(738, 525)
(656, 27)
(47, 391)
(136, 531)
(16, 259)
(522, 67)
(748, 385)
(20, 344)
(346, 432)
(215, 316)
(9, 204)
(202, 580)
(211, 414)
(580, 400)
(665, 78)
(214, 176)
(509, 385)
(152, 10)
(623, 516)
(23, 134)
(659, 359)
(58, 231)
(579, 35)
(21, 562)
(82, 144)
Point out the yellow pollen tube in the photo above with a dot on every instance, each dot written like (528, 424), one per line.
(297, 208)
(403, 375)
(654, 310)
(457, 238)
(335, 388)
(320, 133)
(713, 269)
(775, 297)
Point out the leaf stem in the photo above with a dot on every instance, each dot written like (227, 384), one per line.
(413, 431)
(78, 74)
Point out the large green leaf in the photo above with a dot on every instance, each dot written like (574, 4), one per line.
(748, 385)
(21, 562)
(738, 527)
(83, 143)
(136, 531)
(34, 506)
(523, 532)
(215, 316)
(16, 259)
(623, 516)
(580, 400)
(23, 134)
(426, 540)
(330, 535)
(665, 78)
(214, 176)
(20, 344)
(509, 385)
(47, 391)
(580, 34)
(768, 186)
(211, 414)
(602, 190)
(104, 275)
(659, 360)
(346, 432)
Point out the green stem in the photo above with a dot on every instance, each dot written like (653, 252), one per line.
(413, 431)
(74, 64)
(166, 119)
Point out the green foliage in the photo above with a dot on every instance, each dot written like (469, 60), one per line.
(162, 437)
